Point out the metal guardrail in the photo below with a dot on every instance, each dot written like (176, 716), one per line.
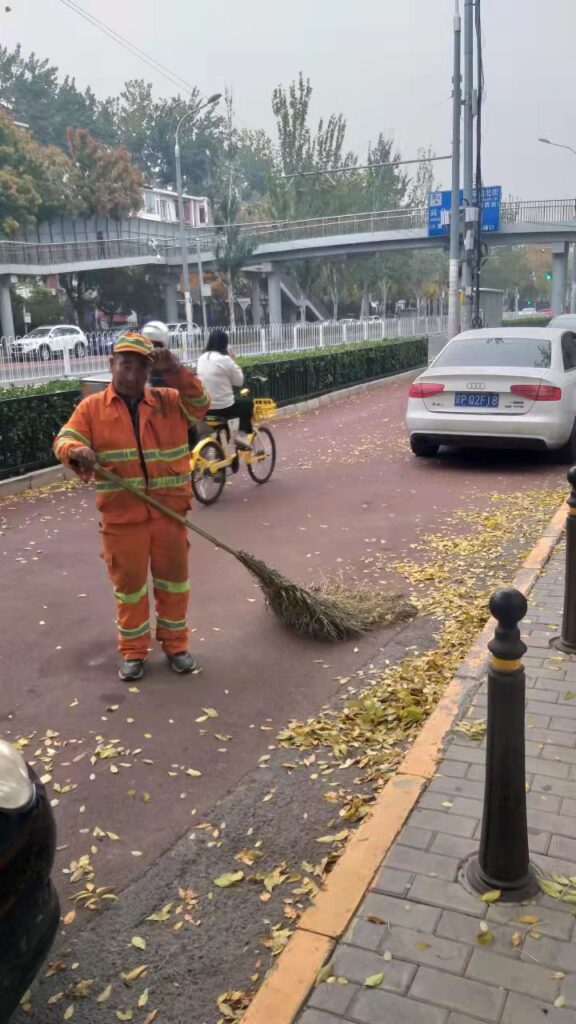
(246, 341)
(536, 212)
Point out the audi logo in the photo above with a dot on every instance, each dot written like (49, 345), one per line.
(475, 387)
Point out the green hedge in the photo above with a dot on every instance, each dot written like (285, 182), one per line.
(296, 376)
(28, 426)
(30, 416)
(528, 321)
(46, 388)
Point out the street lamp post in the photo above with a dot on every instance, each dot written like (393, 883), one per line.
(183, 243)
(562, 145)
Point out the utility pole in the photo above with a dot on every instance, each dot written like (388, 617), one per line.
(469, 213)
(454, 263)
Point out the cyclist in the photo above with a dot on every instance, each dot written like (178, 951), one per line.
(220, 374)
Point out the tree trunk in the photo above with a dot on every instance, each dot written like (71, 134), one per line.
(365, 303)
(231, 312)
(75, 294)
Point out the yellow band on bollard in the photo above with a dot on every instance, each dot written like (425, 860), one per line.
(504, 665)
(571, 511)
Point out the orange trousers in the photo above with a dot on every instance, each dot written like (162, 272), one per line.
(130, 550)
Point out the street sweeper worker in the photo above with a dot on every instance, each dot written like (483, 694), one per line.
(141, 434)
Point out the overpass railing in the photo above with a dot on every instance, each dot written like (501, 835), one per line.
(50, 253)
(246, 340)
(17, 253)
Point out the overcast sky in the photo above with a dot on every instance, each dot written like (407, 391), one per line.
(385, 64)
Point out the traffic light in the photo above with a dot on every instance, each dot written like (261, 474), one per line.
(548, 275)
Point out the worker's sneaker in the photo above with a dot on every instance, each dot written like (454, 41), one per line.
(182, 663)
(130, 671)
(242, 440)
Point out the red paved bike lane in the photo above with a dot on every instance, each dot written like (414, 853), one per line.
(346, 488)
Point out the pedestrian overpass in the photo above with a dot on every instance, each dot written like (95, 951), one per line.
(98, 244)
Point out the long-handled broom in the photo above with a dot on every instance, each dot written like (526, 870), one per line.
(341, 616)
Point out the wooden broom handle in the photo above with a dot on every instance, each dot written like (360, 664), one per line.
(106, 474)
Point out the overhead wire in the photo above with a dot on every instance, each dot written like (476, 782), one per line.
(121, 40)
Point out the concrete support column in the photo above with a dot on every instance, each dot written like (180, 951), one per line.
(170, 299)
(6, 318)
(573, 282)
(559, 273)
(256, 302)
(274, 298)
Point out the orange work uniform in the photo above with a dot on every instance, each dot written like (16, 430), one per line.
(151, 452)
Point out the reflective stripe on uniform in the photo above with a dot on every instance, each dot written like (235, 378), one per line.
(67, 434)
(131, 634)
(175, 624)
(107, 485)
(187, 406)
(118, 455)
(131, 598)
(165, 454)
(159, 482)
(171, 588)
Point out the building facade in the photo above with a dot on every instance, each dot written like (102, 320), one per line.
(160, 205)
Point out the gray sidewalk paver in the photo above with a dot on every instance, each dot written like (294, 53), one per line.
(428, 933)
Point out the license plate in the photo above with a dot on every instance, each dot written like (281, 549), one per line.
(487, 400)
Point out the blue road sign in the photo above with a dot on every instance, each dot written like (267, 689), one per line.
(439, 209)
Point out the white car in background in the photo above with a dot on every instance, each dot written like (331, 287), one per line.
(46, 343)
(499, 387)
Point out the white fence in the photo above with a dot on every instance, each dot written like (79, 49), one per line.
(47, 363)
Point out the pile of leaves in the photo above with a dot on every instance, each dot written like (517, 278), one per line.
(452, 579)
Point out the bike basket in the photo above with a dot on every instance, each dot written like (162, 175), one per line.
(264, 409)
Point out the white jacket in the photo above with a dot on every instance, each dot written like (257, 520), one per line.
(219, 374)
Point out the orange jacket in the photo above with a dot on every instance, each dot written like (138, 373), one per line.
(155, 458)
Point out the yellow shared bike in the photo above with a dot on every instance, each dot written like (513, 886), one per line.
(215, 455)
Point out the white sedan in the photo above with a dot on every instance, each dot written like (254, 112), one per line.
(499, 387)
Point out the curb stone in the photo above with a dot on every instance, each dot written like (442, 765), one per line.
(284, 992)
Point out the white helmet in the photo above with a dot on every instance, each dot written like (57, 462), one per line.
(156, 331)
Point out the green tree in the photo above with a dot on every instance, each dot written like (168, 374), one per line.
(147, 128)
(424, 181)
(41, 304)
(233, 245)
(31, 87)
(126, 290)
(107, 183)
(36, 182)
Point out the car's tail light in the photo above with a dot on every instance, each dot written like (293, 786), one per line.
(537, 392)
(424, 389)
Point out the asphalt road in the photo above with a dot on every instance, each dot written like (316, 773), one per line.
(135, 772)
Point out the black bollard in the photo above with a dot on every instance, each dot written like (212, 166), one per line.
(503, 860)
(567, 641)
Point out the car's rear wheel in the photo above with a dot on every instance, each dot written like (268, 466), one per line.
(79, 349)
(44, 353)
(424, 447)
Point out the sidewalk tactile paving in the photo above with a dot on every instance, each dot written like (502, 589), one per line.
(429, 924)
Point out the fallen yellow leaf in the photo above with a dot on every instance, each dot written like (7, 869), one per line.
(230, 878)
(374, 980)
(492, 896)
(143, 998)
(138, 942)
(135, 973)
(105, 994)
